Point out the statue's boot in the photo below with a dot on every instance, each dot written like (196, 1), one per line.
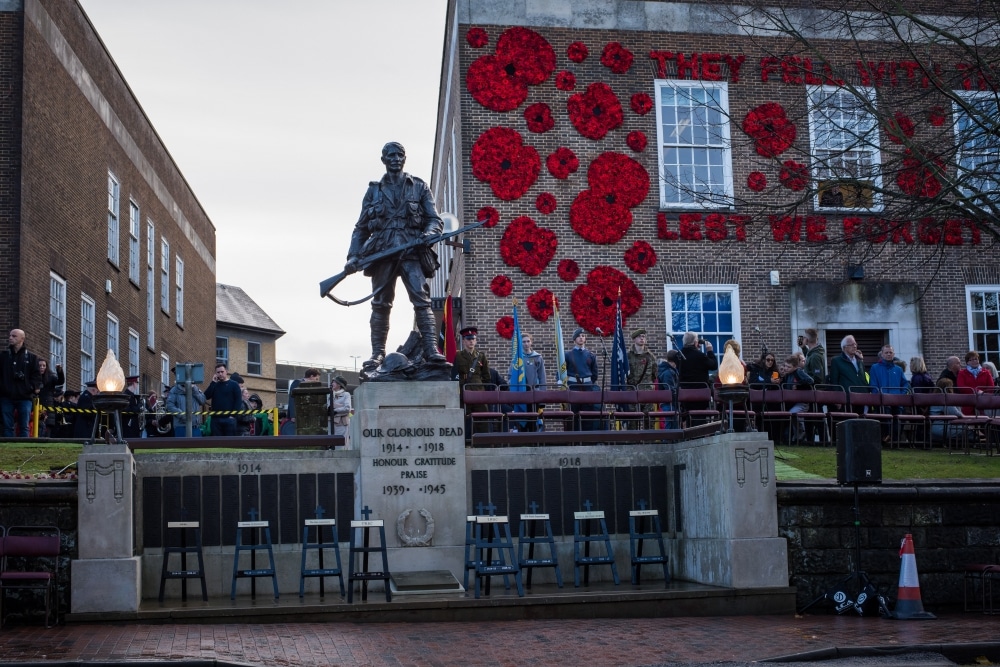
(428, 335)
(380, 332)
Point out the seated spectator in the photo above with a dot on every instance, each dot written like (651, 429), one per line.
(940, 431)
(797, 378)
(920, 378)
(973, 377)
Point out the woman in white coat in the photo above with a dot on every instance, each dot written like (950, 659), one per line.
(340, 407)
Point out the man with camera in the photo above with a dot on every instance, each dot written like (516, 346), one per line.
(697, 364)
(20, 382)
(226, 396)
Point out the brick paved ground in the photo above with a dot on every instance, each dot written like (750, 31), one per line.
(649, 641)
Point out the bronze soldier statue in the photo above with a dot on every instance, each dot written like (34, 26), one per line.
(397, 210)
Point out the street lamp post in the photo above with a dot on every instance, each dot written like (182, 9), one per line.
(355, 357)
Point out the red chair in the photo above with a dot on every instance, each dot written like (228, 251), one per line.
(482, 405)
(810, 415)
(659, 398)
(621, 404)
(832, 399)
(972, 424)
(925, 398)
(585, 400)
(769, 403)
(30, 556)
(907, 420)
(696, 402)
(552, 402)
(521, 407)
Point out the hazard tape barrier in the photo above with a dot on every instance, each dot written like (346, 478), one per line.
(37, 409)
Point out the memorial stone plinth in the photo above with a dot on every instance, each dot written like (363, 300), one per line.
(312, 416)
(412, 473)
(106, 576)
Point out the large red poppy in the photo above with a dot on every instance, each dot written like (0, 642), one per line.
(500, 81)
(527, 246)
(594, 303)
(562, 162)
(616, 58)
(500, 158)
(595, 112)
(770, 129)
(599, 219)
(540, 305)
(619, 176)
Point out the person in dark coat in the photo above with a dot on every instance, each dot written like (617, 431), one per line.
(696, 364)
(132, 417)
(83, 425)
(20, 382)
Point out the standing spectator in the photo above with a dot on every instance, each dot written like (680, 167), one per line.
(20, 382)
(225, 396)
(668, 378)
(696, 364)
(951, 367)
(51, 384)
(991, 367)
(83, 426)
(534, 364)
(973, 376)
(244, 420)
(641, 362)
(886, 375)
(848, 369)
(581, 368)
(340, 408)
(261, 424)
(177, 405)
(815, 356)
(534, 375)
(920, 378)
(131, 418)
(471, 365)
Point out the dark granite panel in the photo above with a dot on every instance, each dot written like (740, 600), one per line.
(152, 507)
(480, 490)
(534, 489)
(498, 492)
(515, 496)
(230, 508)
(307, 498)
(606, 499)
(572, 502)
(172, 500)
(659, 494)
(288, 511)
(211, 511)
(268, 485)
(191, 493)
(345, 505)
(623, 496)
(554, 502)
(640, 487)
(249, 497)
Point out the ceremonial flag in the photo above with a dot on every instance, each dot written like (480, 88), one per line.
(516, 381)
(448, 332)
(619, 351)
(562, 376)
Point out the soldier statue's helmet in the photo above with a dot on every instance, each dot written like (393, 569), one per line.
(393, 361)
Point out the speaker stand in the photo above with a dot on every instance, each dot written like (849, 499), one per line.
(854, 590)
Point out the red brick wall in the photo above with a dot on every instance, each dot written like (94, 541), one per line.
(67, 151)
(942, 308)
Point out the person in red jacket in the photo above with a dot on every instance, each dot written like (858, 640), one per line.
(974, 376)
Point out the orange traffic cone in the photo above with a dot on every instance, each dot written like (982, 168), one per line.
(908, 604)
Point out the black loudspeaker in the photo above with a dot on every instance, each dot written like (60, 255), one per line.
(859, 452)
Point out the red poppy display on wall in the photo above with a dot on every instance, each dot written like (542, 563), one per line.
(900, 127)
(917, 177)
(505, 327)
(636, 140)
(936, 116)
(539, 117)
(595, 112)
(490, 214)
(500, 157)
(616, 58)
(794, 175)
(619, 176)
(641, 103)
(640, 257)
(770, 129)
(565, 80)
(593, 303)
(501, 286)
(500, 81)
(527, 246)
(477, 38)
(577, 52)
(568, 270)
(617, 184)
(540, 305)
(757, 181)
(562, 162)
(545, 203)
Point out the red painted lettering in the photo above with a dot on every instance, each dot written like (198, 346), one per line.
(902, 231)
(786, 227)
(688, 223)
(687, 68)
(768, 66)
(815, 229)
(734, 65)
(715, 227)
(661, 58)
(852, 226)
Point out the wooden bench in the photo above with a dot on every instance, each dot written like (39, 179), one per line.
(547, 438)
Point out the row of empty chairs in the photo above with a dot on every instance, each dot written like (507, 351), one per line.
(907, 416)
(29, 560)
(625, 407)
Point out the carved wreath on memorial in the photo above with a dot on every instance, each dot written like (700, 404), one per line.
(407, 537)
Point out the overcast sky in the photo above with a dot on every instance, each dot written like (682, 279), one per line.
(276, 114)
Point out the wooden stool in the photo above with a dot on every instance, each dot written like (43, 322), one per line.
(638, 533)
(319, 545)
(527, 535)
(365, 575)
(184, 573)
(254, 546)
(582, 536)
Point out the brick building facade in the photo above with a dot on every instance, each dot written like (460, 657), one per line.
(104, 242)
(674, 94)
